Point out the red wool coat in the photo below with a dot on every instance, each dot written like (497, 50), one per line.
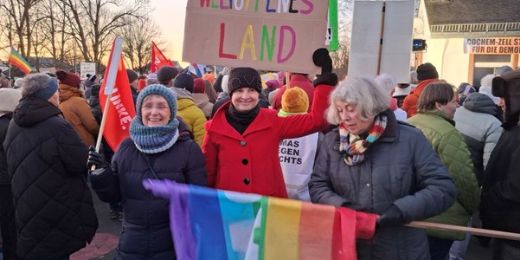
(249, 162)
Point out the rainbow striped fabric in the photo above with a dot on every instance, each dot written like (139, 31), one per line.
(18, 61)
(215, 224)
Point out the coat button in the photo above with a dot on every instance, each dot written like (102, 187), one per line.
(243, 143)
(247, 181)
(244, 161)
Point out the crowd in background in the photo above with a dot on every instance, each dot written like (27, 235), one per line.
(417, 150)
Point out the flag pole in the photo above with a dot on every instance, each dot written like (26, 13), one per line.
(474, 231)
(109, 87)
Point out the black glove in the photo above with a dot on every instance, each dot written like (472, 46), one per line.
(392, 217)
(95, 158)
(321, 58)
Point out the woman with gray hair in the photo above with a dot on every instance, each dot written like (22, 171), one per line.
(374, 163)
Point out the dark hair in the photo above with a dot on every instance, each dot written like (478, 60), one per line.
(438, 92)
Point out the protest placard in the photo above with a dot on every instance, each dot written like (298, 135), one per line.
(264, 34)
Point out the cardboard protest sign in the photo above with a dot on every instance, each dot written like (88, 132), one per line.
(383, 42)
(264, 34)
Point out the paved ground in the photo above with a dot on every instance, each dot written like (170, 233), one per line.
(105, 242)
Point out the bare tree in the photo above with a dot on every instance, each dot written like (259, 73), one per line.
(94, 22)
(19, 13)
(340, 57)
(138, 35)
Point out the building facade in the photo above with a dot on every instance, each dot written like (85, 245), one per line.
(468, 39)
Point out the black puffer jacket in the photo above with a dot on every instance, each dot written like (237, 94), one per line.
(4, 123)
(54, 213)
(146, 226)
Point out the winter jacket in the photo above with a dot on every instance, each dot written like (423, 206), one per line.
(4, 123)
(300, 81)
(46, 158)
(77, 112)
(202, 101)
(400, 169)
(410, 101)
(454, 153)
(191, 114)
(478, 122)
(500, 205)
(249, 162)
(146, 228)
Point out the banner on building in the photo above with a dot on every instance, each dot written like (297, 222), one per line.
(492, 45)
(270, 35)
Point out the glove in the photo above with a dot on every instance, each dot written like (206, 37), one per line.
(96, 159)
(392, 217)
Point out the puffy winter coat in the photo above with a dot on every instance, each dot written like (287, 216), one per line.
(146, 227)
(249, 162)
(400, 169)
(410, 102)
(478, 122)
(47, 161)
(190, 114)
(202, 101)
(454, 153)
(500, 206)
(77, 112)
(4, 123)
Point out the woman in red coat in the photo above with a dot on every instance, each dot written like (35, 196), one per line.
(241, 141)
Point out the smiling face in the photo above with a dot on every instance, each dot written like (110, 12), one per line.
(244, 99)
(352, 119)
(155, 111)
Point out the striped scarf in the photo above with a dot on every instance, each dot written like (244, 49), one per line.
(353, 147)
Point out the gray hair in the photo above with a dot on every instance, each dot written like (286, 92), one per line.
(387, 82)
(32, 83)
(369, 98)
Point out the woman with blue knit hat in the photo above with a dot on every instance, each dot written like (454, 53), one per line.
(159, 147)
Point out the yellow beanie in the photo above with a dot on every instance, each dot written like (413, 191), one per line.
(295, 100)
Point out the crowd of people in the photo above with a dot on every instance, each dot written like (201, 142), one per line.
(418, 150)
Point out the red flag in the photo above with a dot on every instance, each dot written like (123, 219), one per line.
(158, 59)
(121, 107)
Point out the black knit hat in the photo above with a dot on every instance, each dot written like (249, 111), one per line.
(427, 71)
(131, 75)
(244, 77)
(184, 81)
(507, 87)
(321, 58)
(166, 74)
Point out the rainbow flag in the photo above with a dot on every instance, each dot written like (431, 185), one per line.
(216, 224)
(18, 61)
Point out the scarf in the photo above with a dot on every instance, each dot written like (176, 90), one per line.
(156, 139)
(353, 147)
(241, 120)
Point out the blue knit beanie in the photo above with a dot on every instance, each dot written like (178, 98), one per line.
(158, 89)
(48, 91)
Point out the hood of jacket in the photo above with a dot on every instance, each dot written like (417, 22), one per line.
(67, 92)
(184, 103)
(31, 111)
(183, 93)
(481, 103)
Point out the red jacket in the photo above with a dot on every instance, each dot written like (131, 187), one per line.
(296, 81)
(249, 162)
(410, 101)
